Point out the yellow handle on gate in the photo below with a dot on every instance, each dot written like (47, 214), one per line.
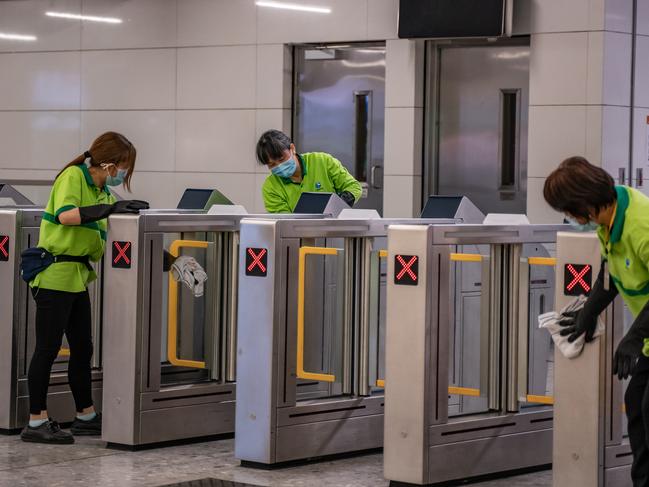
(464, 391)
(458, 391)
(549, 261)
(382, 255)
(540, 399)
(466, 257)
(301, 373)
(172, 320)
(64, 352)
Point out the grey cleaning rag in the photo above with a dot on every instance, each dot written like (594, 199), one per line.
(185, 269)
(550, 321)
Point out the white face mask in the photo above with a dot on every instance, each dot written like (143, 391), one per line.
(581, 227)
(118, 178)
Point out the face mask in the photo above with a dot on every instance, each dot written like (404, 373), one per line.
(117, 179)
(582, 227)
(286, 169)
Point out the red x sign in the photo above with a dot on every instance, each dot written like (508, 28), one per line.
(256, 262)
(122, 255)
(406, 269)
(577, 279)
(4, 248)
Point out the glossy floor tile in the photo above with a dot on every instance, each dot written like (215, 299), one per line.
(89, 463)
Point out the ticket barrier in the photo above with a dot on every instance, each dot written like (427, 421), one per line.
(19, 230)
(169, 357)
(503, 378)
(310, 364)
(591, 444)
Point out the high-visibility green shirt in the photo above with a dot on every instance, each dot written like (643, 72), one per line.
(74, 188)
(320, 172)
(627, 249)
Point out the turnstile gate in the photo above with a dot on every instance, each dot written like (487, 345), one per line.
(169, 361)
(591, 445)
(505, 385)
(310, 363)
(19, 230)
(169, 357)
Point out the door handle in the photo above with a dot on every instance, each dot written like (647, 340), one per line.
(373, 177)
(172, 309)
(303, 252)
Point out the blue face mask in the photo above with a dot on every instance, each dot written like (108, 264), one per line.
(117, 179)
(286, 169)
(582, 227)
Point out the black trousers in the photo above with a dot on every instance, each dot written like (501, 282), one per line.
(59, 312)
(636, 400)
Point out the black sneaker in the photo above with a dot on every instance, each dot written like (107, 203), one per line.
(48, 432)
(92, 427)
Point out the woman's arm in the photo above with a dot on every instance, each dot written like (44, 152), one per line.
(70, 217)
(89, 214)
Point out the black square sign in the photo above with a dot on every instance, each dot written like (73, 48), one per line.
(406, 270)
(121, 255)
(256, 262)
(577, 279)
(4, 248)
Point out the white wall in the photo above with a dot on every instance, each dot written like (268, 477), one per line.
(194, 83)
(580, 88)
(191, 82)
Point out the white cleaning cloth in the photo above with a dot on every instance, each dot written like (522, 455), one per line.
(550, 321)
(185, 269)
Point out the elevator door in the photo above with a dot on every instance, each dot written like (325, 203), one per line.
(340, 109)
(483, 108)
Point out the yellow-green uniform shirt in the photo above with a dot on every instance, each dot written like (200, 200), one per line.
(627, 249)
(320, 172)
(74, 188)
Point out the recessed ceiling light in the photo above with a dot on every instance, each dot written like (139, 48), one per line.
(89, 18)
(293, 6)
(16, 37)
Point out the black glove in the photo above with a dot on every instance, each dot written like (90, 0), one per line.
(94, 213)
(630, 348)
(130, 206)
(348, 198)
(576, 323)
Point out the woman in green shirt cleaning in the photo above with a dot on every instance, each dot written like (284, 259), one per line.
(589, 199)
(294, 174)
(74, 230)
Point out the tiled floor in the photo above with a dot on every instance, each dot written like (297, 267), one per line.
(89, 463)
